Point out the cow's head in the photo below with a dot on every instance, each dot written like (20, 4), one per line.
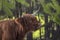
(29, 22)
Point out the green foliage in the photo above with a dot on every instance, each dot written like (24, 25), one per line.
(57, 18)
(36, 34)
(7, 5)
(47, 9)
(8, 11)
(23, 2)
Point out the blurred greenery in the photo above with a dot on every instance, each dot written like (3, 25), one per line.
(23, 2)
(52, 8)
(7, 5)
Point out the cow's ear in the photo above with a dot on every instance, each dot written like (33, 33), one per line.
(17, 21)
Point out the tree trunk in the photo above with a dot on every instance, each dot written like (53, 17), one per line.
(18, 11)
(46, 28)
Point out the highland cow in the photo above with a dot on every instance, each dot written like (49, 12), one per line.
(17, 28)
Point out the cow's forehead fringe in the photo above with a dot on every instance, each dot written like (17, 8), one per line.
(28, 15)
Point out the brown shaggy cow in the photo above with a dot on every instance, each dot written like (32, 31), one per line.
(17, 28)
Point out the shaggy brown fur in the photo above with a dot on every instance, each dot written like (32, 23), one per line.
(16, 29)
